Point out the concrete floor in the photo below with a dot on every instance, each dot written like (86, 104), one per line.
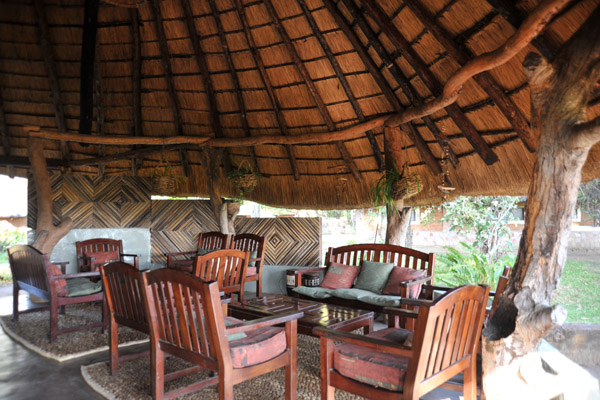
(24, 375)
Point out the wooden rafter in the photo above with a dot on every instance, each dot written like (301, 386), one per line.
(512, 113)
(376, 73)
(236, 81)
(136, 82)
(166, 63)
(50, 67)
(429, 79)
(86, 75)
(99, 109)
(344, 82)
(312, 89)
(127, 155)
(266, 81)
(515, 17)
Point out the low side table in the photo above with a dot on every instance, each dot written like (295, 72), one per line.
(315, 313)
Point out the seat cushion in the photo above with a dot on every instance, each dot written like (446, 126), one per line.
(401, 274)
(340, 276)
(372, 367)
(314, 291)
(60, 284)
(257, 347)
(381, 300)
(351, 294)
(251, 271)
(373, 276)
(83, 287)
(229, 321)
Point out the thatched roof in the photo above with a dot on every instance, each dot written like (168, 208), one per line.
(282, 69)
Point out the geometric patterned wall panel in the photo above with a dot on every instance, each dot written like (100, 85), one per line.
(96, 202)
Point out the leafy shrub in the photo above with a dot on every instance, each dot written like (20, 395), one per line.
(468, 267)
(8, 238)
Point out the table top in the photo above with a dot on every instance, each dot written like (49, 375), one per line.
(315, 313)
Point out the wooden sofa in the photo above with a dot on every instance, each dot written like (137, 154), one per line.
(355, 254)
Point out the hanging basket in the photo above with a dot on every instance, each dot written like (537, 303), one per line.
(407, 186)
(164, 185)
(244, 179)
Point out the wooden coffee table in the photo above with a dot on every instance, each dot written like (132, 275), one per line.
(315, 313)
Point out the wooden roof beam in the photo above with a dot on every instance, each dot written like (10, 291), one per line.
(266, 81)
(344, 82)
(50, 67)
(136, 82)
(376, 73)
(127, 155)
(484, 80)
(463, 123)
(4, 135)
(166, 63)
(346, 156)
(235, 79)
(86, 76)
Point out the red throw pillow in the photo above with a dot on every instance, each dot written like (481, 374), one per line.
(401, 274)
(340, 276)
(61, 284)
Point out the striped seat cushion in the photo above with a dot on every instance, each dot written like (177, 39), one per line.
(372, 367)
(258, 346)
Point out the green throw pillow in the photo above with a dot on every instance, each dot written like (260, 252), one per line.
(373, 276)
(253, 254)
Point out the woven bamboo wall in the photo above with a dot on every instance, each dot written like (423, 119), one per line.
(124, 202)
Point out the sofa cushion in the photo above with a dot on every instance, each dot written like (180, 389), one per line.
(83, 287)
(401, 274)
(373, 367)
(373, 276)
(229, 321)
(315, 292)
(60, 284)
(340, 276)
(351, 294)
(381, 300)
(257, 347)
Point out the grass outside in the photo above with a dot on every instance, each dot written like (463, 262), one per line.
(579, 292)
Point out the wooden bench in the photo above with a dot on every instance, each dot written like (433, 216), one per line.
(356, 253)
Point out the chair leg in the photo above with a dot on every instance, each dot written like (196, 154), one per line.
(15, 302)
(470, 382)
(53, 322)
(291, 371)
(158, 373)
(327, 391)
(225, 386)
(259, 287)
(113, 340)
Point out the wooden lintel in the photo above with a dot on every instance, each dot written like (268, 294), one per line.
(166, 64)
(512, 113)
(50, 67)
(423, 149)
(266, 81)
(86, 75)
(398, 75)
(429, 79)
(343, 81)
(127, 155)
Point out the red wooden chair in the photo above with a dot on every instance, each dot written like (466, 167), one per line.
(255, 245)
(35, 274)
(227, 267)
(123, 287)
(207, 241)
(93, 253)
(383, 365)
(199, 335)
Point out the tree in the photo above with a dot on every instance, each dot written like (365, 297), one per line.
(560, 94)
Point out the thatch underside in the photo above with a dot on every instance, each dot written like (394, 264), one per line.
(279, 67)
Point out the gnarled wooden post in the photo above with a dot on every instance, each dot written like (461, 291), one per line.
(47, 235)
(560, 92)
(225, 211)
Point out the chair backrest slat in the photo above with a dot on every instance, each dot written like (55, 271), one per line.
(213, 240)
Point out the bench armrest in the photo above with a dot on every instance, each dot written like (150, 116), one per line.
(271, 320)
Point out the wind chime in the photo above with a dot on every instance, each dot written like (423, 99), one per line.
(446, 187)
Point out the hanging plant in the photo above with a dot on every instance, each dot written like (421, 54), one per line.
(244, 178)
(393, 186)
(164, 181)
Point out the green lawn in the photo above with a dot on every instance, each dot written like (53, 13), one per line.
(579, 291)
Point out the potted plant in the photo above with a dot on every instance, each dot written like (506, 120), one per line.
(244, 178)
(164, 181)
(393, 186)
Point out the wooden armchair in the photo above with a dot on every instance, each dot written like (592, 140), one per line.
(93, 253)
(386, 365)
(227, 267)
(35, 274)
(123, 287)
(255, 245)
(207, 241)
(199, 335)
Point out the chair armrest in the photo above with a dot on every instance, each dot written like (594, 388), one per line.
(435, 287)
(416, 281)
(61, 264)
(415, 302)
(78, 275)
(400, 312)
(129, 255)
(298, 274)
(364, 341)
(253, 324)
(181, 253)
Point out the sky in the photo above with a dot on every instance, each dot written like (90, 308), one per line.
(13, 197)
